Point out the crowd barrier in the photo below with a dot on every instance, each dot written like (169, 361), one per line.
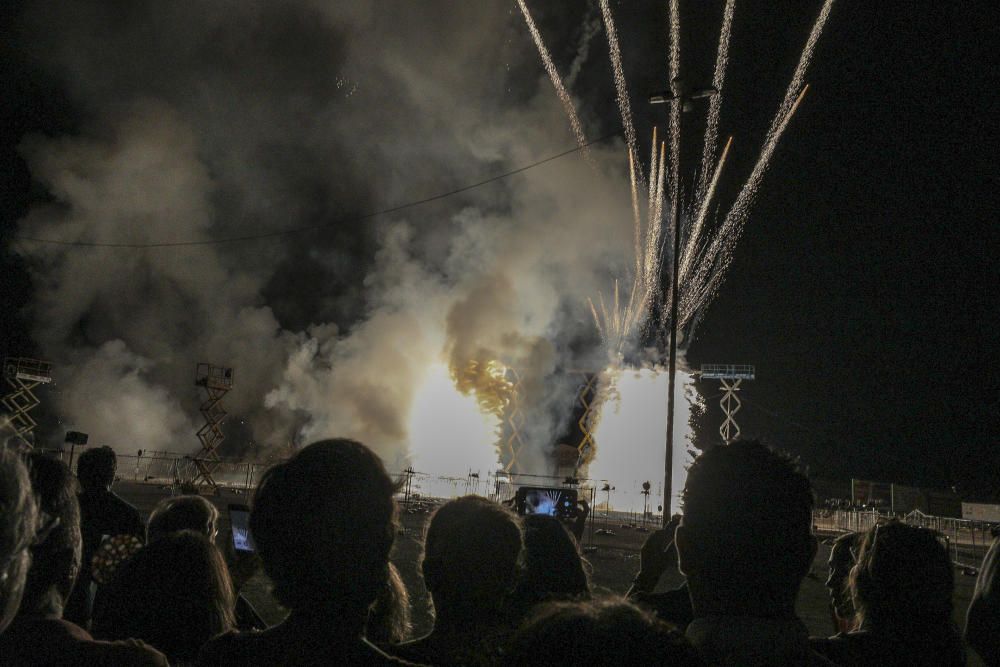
(968, 541)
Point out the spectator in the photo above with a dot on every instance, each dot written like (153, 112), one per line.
(469, 566)
(843, 556)
(39, 635)
(102, 514)
(389, 618)
(324, 522)
(598, 633)
(183, 513)
(982, 625)
(553, 568)
(174, 594)
(18, 524)
(902, 589)
(658, 555)
(745, 544)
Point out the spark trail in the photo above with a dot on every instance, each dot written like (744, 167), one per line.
(715, 102)
(719, 253)
(675, 106)
(567, 102)
(800, 70)
(621, 86)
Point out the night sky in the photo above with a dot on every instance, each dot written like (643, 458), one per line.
(864, 287)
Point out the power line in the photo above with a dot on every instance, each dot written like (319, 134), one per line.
(309, 228)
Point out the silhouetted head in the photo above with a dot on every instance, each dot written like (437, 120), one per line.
(471, 552)
(745, 540)
(182, 513)
(843, 556)
(389, 618)
(982, 623)
(174, 594)
(18, 525)
(55, 559)
(552, 563)
(903, 579)
(324, 522)
(96, 468)
(598, 633)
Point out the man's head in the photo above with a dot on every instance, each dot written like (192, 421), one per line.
(18, 524)
(324, 522)
(55, 560)
(183, 513)
(96, 468)
(471, 552)
(745, 541)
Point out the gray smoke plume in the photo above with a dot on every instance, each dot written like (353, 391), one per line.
(204, 121)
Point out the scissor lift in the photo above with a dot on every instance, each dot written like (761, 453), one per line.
(216, 381)
(23, 375)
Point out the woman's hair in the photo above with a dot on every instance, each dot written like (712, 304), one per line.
(182, 513)
(903, 579)
(389, 618)
(18, 523)
(174, 594)
(605, 632)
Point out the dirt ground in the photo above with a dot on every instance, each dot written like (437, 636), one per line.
(614, 560)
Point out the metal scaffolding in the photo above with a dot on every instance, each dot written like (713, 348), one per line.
(23, 375)
(216, 381)
(730, 376)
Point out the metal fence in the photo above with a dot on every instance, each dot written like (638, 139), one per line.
(968, 541)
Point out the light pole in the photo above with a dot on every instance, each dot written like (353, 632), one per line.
(681, 94)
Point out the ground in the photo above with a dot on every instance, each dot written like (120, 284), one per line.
(614, 560)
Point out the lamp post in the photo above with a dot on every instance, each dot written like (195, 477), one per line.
(681, 94)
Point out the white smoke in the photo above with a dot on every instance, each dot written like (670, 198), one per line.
(204, 121)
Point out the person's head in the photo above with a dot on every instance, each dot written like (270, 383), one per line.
(843, 556)
(18, 525)
(552, 563)
(601, 633)
(174, 594)
(903, 579)
(982, 622)
(389, 618)
(745, 541)
(182, 513)
(96, 469)
(471, 552)
(55, 558)
(324, 522)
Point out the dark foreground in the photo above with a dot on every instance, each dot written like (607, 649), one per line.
(614, 560)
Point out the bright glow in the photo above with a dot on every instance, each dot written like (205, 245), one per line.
(631, 436)
(449, 434)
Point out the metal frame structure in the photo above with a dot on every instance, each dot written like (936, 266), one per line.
(511, 442)
(216, 381)
(23, 374)
(730, 376)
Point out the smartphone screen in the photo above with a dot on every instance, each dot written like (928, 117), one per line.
(551, 502)
(239, 519)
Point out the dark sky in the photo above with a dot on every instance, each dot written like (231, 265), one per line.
(864, 288)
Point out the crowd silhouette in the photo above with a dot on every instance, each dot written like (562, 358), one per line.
(84, 581)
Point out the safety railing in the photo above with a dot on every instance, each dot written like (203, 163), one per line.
(968, 541)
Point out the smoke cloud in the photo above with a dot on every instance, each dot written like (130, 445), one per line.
(204, 121)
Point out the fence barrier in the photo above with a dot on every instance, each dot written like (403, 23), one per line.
(968, 541)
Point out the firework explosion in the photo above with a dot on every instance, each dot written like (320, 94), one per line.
(624, 319)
